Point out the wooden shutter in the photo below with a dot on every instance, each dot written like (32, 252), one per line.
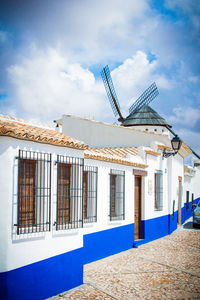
(63, 205)
(27, 204)
(85, 192)
(113, 195)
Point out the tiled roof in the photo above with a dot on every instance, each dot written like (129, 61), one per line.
(116, 155)
(145, 116)
(21, 129)
(119, 151)
(185, 150)
(150, 151)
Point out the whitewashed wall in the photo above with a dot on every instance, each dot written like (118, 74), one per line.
(103, 200)
(155, 163)
(175, 169)
(20, 250)
(97, 134)
(192, 184)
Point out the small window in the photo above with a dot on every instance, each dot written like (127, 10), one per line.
(117, 195)
(90, 194)
(34, 192)
(69, 192)
(192, 201)
(173, 210)
(158, 203)
(187, 199)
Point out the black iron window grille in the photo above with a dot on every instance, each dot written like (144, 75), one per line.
(187, 199)
(34, 192)
(192, 206)
(90, 194)
(117, 195)
(173, 210)
(69, 213)
(158, 200)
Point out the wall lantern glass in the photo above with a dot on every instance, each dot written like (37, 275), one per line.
(176, 145)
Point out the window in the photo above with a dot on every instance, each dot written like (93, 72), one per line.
(69, 192)
(173, 210)
(192, 201)
(90, 194)
(34, 192)
(187, 199)
(117, 194)
(158, 204)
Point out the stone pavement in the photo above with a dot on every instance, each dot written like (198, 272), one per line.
(168, 268)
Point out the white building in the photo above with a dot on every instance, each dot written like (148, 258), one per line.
(64, 204)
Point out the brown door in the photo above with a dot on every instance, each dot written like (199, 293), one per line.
(27, 193)
(138, 182)
(63, 212)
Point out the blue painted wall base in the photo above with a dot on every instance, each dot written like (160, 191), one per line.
(187, 213)
(63, 272)
(43, 279)
(108, 242)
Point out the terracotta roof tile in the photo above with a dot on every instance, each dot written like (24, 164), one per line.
(115, 155)
(18, 128)
(148, 151)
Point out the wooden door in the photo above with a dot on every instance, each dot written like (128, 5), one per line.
(138, 183)
(27, 205)
(63, 209)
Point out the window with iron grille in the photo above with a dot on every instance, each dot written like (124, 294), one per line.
(69, 192)
(117, 195)
(173, 211)
(187, 199)
(90, 194)
(158, 202)
(192, 206)
(34, 192)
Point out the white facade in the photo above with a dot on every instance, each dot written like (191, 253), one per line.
(62, 253)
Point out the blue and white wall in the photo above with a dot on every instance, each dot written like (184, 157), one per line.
(35, 265)
(191, 185)
(45, 264)
(107, 237)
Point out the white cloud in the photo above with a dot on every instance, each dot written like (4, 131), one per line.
(135, 75)
(186, 116)
(190, 8)
(47, 85)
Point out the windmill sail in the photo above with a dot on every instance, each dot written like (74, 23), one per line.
(107, 80)
(145, 98)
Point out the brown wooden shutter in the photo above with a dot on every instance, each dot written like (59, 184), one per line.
(113, 195)
(63, 205)
(27, 201)
(85, 191)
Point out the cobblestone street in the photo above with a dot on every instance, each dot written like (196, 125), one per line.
(168, 268)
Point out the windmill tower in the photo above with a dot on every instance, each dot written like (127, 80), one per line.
(141, 115)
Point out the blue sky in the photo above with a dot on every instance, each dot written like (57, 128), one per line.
(52, 53)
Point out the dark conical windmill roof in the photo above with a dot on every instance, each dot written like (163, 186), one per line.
(145, 116)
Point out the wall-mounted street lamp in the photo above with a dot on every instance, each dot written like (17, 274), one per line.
(176, 145)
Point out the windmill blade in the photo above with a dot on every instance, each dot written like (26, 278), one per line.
(109, 87)
(145, 98)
